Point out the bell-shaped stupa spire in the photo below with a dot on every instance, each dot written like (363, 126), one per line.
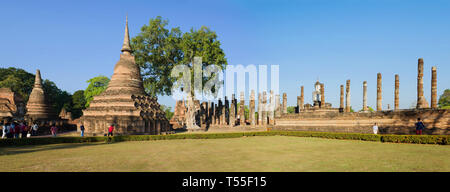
(38, 79)
(126, 48)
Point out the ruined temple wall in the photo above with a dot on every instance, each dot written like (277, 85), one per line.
(124, 125)
(390, 122)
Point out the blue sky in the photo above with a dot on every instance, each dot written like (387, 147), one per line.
(73, 41)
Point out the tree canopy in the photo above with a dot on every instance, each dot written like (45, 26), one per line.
(291, 109)
(56, 97)
(158, 50)
(444, 100)
(18, 80)
(96, 86)
(167, 110)
(78, 103)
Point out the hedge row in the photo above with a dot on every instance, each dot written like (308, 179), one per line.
(420, 139)
(49, 140)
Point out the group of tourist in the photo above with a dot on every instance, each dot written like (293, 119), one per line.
(18, 129)
(22, 130)
(419, 127)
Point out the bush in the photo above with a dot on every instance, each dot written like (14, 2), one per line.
(419, 139)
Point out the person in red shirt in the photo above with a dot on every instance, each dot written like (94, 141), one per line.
(54, 130)
(110, 130)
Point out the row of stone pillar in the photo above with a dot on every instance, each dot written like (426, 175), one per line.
(229, 113)
(421, 102)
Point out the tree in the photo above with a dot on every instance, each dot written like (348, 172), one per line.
(96, 86)
(444, 100)
(291, 109)
(79, 103)
(18, 80)
(56, 98)
(167, 110)
(158, 50)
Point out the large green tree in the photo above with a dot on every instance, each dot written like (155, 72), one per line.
(96, 86)
(159, 50)
(444, 100)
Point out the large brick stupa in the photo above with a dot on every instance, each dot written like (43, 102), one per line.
(124, 103)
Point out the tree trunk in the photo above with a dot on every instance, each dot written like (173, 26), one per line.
(190, 119)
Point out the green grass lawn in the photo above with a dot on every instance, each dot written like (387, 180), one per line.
(269, 153)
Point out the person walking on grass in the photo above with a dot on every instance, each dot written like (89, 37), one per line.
(419, 126)
(54, 130)
(375, 128)
(82, 130)
(110, 130)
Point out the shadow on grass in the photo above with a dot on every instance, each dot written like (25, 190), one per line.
(14, 150)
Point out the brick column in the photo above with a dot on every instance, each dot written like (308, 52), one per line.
(341, 103)
(302, 98)
(271, 108)
(219, 112)
(396, 92)
(284, 103)
(420, 97)
(252, 108)
(223, 118)
(232, 111)
(226, 112)
(277, 106)
(264, 110)
(242, 109)
(322, 95)
(379, 104)
(365, 96)
(214, 114)
(259, 109)
(347, 97)
(433, 88)
(158, 127)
